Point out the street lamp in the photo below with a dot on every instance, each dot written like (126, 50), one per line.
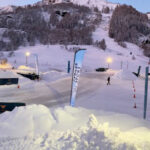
(27, 54)
(109, 61)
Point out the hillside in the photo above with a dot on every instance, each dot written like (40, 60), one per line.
(127, 24)
(61, 23)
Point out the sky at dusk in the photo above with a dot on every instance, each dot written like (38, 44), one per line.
(141, 5)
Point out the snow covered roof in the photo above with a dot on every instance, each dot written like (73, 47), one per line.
(5, 66)
(7, 74)
(25, 69)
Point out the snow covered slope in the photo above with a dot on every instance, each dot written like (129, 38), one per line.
(7, 9)
(148, 14)
(90, 3)
(95, 3)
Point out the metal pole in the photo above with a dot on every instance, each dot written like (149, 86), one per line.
(36, 64)
(26, 60)
(127, 64)
(146, 91)
(108, 65)
(121, 64)
(68, 69)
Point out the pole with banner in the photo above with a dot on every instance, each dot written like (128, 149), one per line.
(78, 59)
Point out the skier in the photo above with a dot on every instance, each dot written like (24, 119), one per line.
(108, 81)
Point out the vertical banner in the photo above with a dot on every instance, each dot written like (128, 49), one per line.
(146, 91)
(78, 59)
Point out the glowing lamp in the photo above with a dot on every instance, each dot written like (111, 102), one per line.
(27, 54)
(109, 61)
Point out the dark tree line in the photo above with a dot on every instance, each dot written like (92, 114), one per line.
(127, 24)
(65, 23)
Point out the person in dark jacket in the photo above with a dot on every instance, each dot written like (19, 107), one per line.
(108, 81)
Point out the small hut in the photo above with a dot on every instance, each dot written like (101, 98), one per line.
(4, 65)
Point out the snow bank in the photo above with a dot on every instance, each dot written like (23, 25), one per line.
(23, 121)
(125, 75)
(101, 136)
(69, 129)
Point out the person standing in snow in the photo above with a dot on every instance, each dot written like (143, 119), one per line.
(108, 81)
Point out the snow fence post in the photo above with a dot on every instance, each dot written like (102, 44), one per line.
(146, 91)
(69, 68)
(139, 69)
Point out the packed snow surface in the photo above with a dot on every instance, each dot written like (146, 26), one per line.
(35, 127)
(125, 75)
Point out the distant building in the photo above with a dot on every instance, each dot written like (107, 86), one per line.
(4, 64)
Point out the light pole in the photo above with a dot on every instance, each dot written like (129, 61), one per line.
(36, 63)
(109, 61)
(27, 54)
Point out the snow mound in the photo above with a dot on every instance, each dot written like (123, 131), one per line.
(29, 120)
(102, 136)
(42, 130)
(125, 75)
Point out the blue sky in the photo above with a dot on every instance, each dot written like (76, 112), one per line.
(16, 2)
(141, 5)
